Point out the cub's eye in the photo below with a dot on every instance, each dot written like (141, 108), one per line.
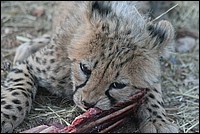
(117, 85)
(85, 70)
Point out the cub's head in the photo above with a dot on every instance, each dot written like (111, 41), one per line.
(114, 53)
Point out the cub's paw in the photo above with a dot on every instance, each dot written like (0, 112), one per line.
(158, 126)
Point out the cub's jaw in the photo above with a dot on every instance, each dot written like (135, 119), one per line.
(105, 104)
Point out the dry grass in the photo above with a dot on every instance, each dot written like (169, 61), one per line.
(181, 90)
(180, 77)
(181, 73)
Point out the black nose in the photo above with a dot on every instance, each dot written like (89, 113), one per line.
(88, 105)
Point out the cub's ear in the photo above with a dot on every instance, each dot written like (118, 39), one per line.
(160, 34)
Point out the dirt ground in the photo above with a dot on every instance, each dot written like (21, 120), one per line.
(22, 21)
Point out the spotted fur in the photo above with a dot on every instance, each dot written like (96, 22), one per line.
(102, 53)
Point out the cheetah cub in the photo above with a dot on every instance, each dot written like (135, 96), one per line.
(102, 53)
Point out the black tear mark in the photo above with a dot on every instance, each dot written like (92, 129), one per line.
(80, 86)
(112, 100)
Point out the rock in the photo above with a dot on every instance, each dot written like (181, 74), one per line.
(39, 11)
(185, 44)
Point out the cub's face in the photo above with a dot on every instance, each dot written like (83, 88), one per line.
(106, 71)
(112, 58)
(101, 82)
